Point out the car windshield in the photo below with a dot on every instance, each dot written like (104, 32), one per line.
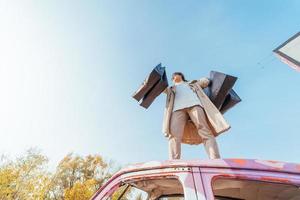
(151, 189)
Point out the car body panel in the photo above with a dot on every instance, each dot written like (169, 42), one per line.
(196, 176)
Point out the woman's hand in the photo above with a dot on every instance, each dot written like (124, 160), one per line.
(204, 82)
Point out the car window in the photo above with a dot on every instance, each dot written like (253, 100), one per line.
(127, 192)
(152, 189)
(236, 189)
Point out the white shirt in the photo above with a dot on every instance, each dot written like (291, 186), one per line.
(184, 96)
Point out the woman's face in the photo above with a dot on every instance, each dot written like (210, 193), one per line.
(177, 79)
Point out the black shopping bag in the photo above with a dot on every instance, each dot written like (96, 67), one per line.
(220, 86)
(231, 100)
(152, 86)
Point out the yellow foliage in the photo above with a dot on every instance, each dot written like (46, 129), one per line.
(24, 178)
(7, 177)
(76, 178)
(80, 191)
(79, 177)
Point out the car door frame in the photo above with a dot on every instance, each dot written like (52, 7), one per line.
(183, 174)
(208, 174)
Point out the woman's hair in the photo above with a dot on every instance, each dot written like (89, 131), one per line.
(180, 74)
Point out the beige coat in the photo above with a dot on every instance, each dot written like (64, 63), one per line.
(215, 118)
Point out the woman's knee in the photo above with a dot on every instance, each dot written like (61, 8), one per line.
(205, 134)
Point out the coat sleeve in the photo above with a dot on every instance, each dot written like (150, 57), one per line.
(204, 82)
(166, 90)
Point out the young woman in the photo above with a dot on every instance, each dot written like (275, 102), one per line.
(190, 117)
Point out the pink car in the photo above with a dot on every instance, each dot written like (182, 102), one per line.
(228, 179)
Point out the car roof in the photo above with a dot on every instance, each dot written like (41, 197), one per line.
(251, 164)
(233, 163)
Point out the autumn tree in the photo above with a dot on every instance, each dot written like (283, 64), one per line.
(75, 178)
(79, 177)
(24, 178)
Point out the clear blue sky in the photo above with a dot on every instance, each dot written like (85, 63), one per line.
(68, 70)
